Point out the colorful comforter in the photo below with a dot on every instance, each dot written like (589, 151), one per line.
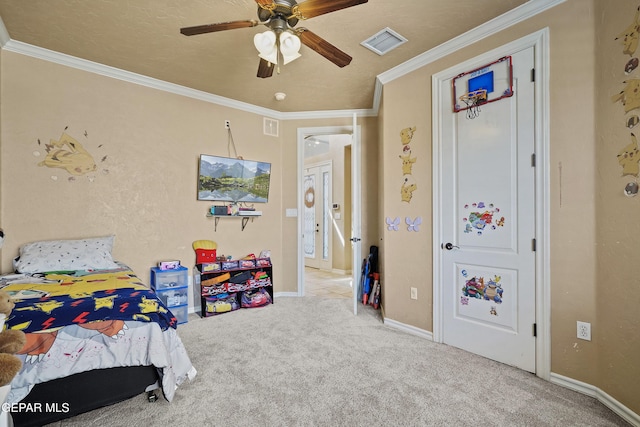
(79, 321)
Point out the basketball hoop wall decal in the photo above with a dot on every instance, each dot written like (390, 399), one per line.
(482, 85)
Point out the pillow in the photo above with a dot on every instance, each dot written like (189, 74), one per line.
(66, 255)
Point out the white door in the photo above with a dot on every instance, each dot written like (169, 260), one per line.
(356, 212)
(488, 220)
(317, 216)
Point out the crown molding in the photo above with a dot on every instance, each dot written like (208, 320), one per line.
(519, 14)
(502, 22)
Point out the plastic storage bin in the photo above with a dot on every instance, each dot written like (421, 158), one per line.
(181, 313)
(164, 279)
(174, 297)
(172, 288)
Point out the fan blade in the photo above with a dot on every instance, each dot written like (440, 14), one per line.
(265, 69)
(323, 47)
(311, 8)
(266, 4)
(222, 26)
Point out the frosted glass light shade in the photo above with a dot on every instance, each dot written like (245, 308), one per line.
(266, 45)
(289, 47)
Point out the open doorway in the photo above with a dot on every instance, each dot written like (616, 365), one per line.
(326, 214)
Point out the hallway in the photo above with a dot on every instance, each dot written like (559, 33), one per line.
(326, 284)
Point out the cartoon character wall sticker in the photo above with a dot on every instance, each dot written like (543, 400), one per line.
(408, 187)
(480, 217)
(68, 154)
(629, 157)
(629, 97)
(484, 289)
(629, 37)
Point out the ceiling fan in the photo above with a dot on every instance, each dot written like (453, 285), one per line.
(281, 44)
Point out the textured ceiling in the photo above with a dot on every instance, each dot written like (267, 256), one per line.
(143, 37)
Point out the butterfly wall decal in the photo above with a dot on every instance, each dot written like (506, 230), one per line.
(413, 225)
(392, 225)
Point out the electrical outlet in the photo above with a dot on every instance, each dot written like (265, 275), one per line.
(227, 124)
(414, 293)
(584, 331)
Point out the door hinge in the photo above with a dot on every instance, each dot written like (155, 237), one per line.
(533, 245)
(535, 330)
(533, 74)
(533, 160)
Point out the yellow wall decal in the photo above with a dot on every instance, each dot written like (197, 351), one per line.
(68, 154)
(629, 36)
(629, 157)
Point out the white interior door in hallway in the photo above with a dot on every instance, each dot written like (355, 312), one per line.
(317, 216)
(487, 214)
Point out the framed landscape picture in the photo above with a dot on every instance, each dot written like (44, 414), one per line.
(233, 180)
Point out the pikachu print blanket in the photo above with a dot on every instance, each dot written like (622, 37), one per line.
(79, 321)
(48, 301)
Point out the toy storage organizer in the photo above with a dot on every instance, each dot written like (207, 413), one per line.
(172, 288)
(228, 285)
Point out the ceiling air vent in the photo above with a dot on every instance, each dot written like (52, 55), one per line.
(383, 41)
(270, 126)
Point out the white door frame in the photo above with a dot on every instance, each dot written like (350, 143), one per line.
(356, 180)
(540, 41)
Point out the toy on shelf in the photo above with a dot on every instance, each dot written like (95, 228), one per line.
(206, 251)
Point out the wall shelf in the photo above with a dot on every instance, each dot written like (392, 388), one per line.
(245, 219)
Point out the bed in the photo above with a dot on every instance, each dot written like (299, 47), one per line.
(96, 334)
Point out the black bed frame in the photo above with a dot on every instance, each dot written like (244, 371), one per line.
(84, 392)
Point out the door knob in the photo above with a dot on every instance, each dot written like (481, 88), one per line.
(449, 246)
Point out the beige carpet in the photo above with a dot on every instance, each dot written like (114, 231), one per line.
(310, 362)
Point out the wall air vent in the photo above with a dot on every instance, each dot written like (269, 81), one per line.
(270, 126)
(383, 41)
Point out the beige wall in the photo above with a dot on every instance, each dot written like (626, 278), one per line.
(407, 256)
(146, 144)
(593, 231)
(618, 229)
(1, 179)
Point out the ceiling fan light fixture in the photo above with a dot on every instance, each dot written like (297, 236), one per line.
(289, 47)
(266, 45)
(282, 43)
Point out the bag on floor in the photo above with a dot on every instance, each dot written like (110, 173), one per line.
(222, 303)
(255, 298)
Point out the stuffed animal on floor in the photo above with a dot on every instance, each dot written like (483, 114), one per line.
(11, 342)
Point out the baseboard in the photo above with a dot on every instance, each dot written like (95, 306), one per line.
(408, 328)
(285, 294)
(625, 413)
